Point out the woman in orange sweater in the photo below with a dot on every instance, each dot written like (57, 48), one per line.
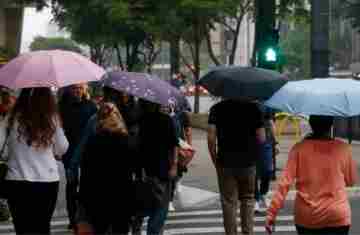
(321, 168)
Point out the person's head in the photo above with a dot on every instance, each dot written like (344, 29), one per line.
(86, 92)
(77, 91)
(36, 113)
(119, 98)
(109, 119)
(321, 125)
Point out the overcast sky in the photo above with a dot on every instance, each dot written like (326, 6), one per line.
(37, 23)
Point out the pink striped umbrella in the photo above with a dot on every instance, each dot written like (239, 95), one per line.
(53, 68)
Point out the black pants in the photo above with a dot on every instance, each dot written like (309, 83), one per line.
(32, 205)
(343, 230)
(262, 184)
(72, 198)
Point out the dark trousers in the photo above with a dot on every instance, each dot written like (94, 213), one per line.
(343, 230)
(32, 205)
(237, 185)
(72, 198)
(116, 224)
(262, 184)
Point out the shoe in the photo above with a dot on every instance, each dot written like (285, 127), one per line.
(70, 226)
(267, 202)
(171, 207)
(178, 188)
(257, 207)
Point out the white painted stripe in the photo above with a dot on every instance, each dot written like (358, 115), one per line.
(200, 212)
(6, 227)
(257, 229)
(220, 220)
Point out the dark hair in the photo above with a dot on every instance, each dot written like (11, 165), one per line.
(36, 113)
(321, 125)
(149, 107)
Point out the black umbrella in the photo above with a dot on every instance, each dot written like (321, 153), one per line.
(237, 82)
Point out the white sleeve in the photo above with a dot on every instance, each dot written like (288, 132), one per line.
(61, 144)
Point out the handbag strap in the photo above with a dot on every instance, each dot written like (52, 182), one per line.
(4, 145)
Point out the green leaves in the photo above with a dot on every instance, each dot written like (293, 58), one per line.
(42, 43)
(352, 9)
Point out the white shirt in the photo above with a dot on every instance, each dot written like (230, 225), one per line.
(27, 163)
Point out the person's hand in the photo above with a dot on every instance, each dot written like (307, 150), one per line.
(277, 150)
(269, 225)
(173, 171)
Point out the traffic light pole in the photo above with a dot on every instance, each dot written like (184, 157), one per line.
(266, 36)
(264, 25)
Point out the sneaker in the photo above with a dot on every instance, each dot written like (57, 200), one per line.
(171, 207)
(257, 207)
(178, 188)
(266, 202)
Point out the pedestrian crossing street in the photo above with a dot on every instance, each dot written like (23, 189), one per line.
(187, 222)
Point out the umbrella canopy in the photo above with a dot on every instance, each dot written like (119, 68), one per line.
(53, 68)
(326, 96)
(237, 82)
(142, 85)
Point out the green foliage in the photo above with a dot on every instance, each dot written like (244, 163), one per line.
(295, 45)
(42, 43)
(6, 53)
(352, 9)
(297, 11)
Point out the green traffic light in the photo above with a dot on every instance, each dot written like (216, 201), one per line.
(270, 55)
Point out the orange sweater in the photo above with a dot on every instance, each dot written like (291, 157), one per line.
(321, 170)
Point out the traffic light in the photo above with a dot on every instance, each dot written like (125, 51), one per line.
(269, 54)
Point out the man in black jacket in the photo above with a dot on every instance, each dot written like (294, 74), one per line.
(75, 111)
(236, 130)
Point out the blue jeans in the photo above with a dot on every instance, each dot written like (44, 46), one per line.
(158, 216)
(264, 171)
(157, 220)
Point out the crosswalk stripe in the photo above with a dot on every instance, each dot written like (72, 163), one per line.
(220, 220)
(182, 222)
(257, 229)
(200, 212)
(7, 227)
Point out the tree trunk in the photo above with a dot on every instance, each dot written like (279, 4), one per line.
(174, 56)
(320, 39)
(235, 42)
(211, 49)
(119, 57)
(197, 68)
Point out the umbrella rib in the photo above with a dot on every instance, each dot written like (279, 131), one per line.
(347, 102)
(54, 70)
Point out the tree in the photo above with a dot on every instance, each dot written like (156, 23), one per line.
(110, 27)
(295, 45)
(43, 43)
(352, 9)
(231, 17)
(195, 18)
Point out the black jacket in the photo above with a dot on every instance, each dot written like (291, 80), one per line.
(106, 173)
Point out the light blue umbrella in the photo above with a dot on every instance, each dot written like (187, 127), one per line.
(326, 96)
